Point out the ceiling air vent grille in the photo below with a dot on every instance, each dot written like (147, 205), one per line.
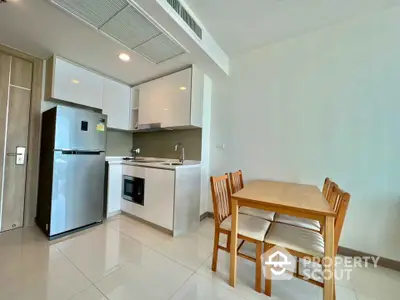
(177, 6)
(125, 24)
(96, 13)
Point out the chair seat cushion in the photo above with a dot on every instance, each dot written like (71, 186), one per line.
(299, 222)
(295, 238)
(263, 214)
(249, 226)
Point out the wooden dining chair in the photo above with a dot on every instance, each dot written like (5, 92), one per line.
(250, 229)
(303, 243)
(307, 223)
(236, 183)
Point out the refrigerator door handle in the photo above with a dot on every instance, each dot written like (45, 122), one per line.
(75, 152)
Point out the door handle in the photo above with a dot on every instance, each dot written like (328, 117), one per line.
(19, 155)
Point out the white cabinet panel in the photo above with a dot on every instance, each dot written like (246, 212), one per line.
(114, 192)
(139, 172)
(173, 101)
(159, 193)
(159, 197)
(150, 102)
(117, 105)
(176, 90)
(75, 84)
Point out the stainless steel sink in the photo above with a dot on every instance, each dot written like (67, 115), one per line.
(172, 164)
(145, 161)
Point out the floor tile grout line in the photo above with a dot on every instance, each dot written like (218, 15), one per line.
(178, 289)
(177, 262)
(162, 254)
(80, 271)
(132, 238)
(70, 261)
(180, 262)
(95, 286)
(155, 250)
(222, 285)
(94, 282)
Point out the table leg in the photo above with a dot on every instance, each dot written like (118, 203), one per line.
(234, 230)
(330, 255)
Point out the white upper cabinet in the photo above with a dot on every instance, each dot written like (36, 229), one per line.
(69, 82)
(175, 104)
(117, 105)
(173, 101)
(149, 97)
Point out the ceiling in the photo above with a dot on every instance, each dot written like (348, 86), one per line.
(242, 26)
(41, 29)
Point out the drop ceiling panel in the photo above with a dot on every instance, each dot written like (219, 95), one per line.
(123, 22)
(130, 27)
(159, 49)
(95, 12)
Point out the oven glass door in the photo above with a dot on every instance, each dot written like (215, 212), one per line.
(133, 189)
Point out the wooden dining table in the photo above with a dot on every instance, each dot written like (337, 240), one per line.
(299, 200)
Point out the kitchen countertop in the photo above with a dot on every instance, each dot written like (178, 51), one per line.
(116, 160)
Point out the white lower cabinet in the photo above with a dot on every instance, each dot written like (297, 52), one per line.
(114, 195)
(171, 197)
(159, 192)
(159, 189)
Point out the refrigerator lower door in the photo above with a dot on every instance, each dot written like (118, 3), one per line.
(78, 190)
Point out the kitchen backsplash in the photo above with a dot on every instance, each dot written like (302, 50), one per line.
(119, 143)
(161, 143)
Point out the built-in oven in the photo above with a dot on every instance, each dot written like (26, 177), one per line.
(133, 189)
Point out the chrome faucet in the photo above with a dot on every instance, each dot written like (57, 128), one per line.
(135, 152)
(182, 156)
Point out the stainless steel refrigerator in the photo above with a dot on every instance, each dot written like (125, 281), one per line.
(72, 170)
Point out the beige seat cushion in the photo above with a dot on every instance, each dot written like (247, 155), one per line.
(311, 270)
(297, 239)
(266, 215)
(299, 222)
(249, 226)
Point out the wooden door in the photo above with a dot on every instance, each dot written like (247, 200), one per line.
(15, 100)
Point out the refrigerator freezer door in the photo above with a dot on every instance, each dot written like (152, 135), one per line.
(78, 190)
(79, 129)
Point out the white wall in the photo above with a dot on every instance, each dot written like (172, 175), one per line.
(324, 104)
(205, 145)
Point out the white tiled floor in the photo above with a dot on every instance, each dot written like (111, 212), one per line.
(125, 259)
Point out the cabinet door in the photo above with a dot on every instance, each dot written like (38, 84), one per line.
(76, 84)
(166, 100)
(159, 197)
(117, 104)
(150, 99)
(176, 91)
(114, 193)
(134, 107)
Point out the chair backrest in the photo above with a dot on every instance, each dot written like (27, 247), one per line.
(221, 196)
(341, 200)
(327, 189)
(236, 179)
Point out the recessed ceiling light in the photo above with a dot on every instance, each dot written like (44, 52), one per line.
(182, 88)
(76, 81)
(124, 57)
